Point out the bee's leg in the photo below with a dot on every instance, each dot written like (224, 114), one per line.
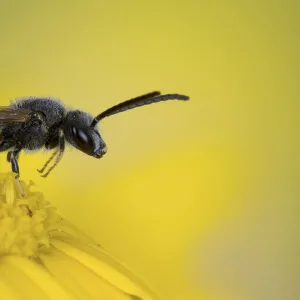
(47, 162)
(61, 150)
(51, 143)
(6, 145)
(12, 157)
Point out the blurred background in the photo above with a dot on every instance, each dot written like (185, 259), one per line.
(200, 198)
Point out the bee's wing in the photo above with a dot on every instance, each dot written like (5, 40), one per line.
(11, 115)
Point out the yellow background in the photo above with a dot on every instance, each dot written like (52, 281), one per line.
(201, 198)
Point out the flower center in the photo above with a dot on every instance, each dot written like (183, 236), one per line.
(25, 222)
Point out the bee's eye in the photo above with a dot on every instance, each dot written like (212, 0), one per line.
(83, 140)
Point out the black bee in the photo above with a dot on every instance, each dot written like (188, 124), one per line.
(34, 123)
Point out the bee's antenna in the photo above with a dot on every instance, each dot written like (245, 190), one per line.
(136, 102)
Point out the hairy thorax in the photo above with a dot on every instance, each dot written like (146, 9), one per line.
(34, 137)
(53, 109)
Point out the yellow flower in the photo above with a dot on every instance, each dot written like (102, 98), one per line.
(42, 256)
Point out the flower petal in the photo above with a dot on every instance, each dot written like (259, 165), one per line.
(7, 292)
(78, 279)
(31, 280)
(107, 272)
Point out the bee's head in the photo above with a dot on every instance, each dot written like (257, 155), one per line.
(80, 134)
(81, 131)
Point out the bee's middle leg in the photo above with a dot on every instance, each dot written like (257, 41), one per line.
(12, 157)
(5, 145)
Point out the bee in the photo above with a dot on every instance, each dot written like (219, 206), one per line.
(35, 123)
